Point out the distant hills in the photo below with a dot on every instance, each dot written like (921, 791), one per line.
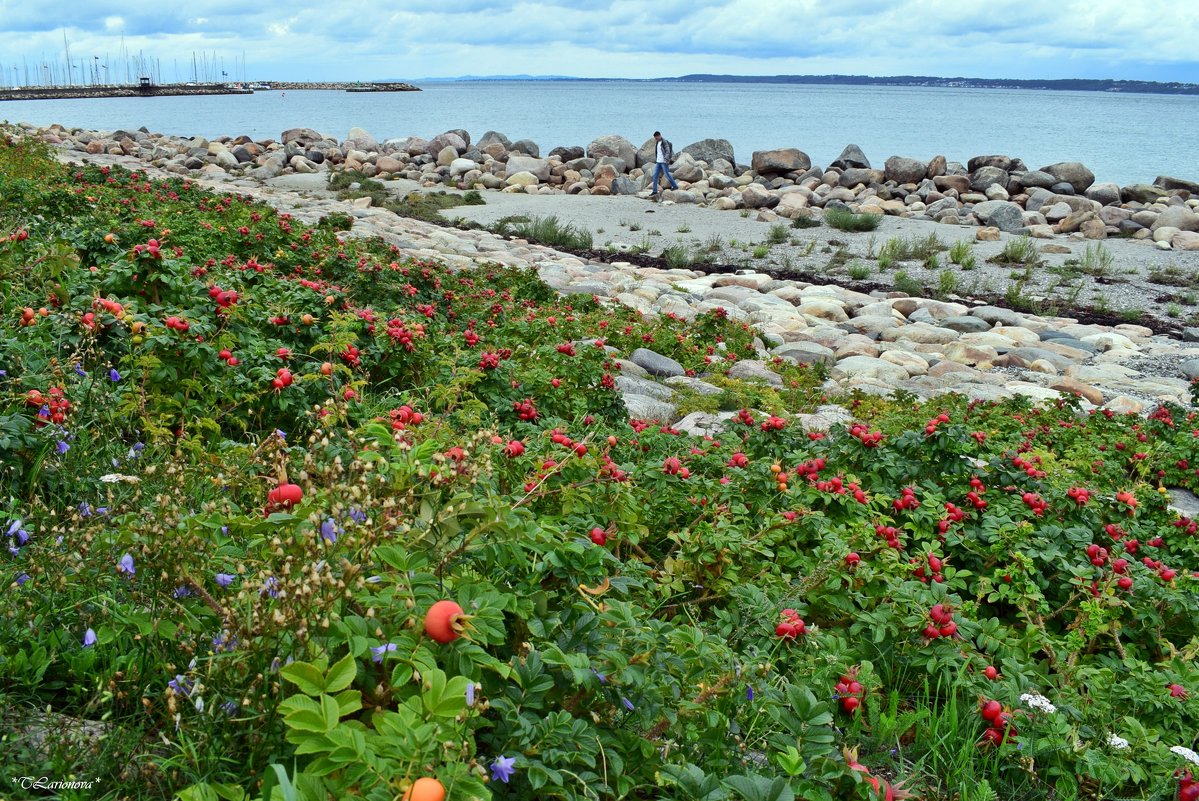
(1061, 84)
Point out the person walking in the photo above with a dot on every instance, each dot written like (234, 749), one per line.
(663, 155)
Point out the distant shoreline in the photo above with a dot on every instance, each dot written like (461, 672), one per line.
(1106, 85)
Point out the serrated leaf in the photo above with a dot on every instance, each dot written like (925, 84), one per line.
(305, 676)
(341, 675)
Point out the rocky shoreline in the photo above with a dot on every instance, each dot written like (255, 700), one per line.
(993, 193)
(875, 343)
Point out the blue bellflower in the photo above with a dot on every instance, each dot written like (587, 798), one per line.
(503, 768)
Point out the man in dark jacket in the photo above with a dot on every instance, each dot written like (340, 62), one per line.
(663, 155)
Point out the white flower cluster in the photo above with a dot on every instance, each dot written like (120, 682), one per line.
(1185, 753)
(1117, 742)
(1038, 702)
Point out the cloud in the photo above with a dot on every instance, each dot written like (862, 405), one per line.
(354, 39)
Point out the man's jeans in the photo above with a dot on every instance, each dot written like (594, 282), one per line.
(659, 168)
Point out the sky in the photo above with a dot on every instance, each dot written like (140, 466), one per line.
(350, 40)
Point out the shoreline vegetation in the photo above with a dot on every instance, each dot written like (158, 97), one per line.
(306, 500)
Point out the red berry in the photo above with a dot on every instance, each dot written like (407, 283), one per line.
(990, 672)
(991, 710)
(850, 704)
(599, 536)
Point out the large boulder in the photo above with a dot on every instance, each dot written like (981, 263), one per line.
(756, 196)
(1179, 217)
(442, 141)
(686, 169)
(904, 170)
(710, 150)
(302, 136)
(494, 137)
(518, 162)
(613, 145)
(526, 146)
(1166, 182)
(567, 153)
(987, 176)
(852, 176)
(1104, 194)
(999, 162)
(851, 157)
(408, 145)
(788, 159)
(359, 139)
(1001, 214)
(1073, 173)
(1035, 179)
(1141, 193)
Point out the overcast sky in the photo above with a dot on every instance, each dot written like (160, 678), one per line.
(352, 40)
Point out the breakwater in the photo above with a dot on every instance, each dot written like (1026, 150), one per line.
(151, 90)
(161, 90)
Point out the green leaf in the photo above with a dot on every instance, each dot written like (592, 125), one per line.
(442, 698)
(341, 675)
(305, 676)
(331, 711)
(348, 702)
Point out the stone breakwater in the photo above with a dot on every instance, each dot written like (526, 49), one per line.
(994, 193)
(875, 343)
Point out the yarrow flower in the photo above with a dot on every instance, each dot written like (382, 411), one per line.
(1117, 742)
(503, 768)
(1185, 753)
(1038, 702)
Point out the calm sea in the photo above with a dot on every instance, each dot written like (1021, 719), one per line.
(1125, 138)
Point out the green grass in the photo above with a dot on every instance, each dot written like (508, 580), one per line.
(907, 284)
(804, 221)
(961, 253)
(777, 234)
(678, 257)
(844, 220)
(549, 231)
(427, 206)
(858, 271)
(1021, 250)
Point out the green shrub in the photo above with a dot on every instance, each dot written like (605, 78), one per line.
(629, 592)
(1021, 250)
(549, 231)
(845, 220)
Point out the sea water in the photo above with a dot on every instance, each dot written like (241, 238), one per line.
(1123, 138)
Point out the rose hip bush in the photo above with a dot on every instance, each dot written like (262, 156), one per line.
(291, 515)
